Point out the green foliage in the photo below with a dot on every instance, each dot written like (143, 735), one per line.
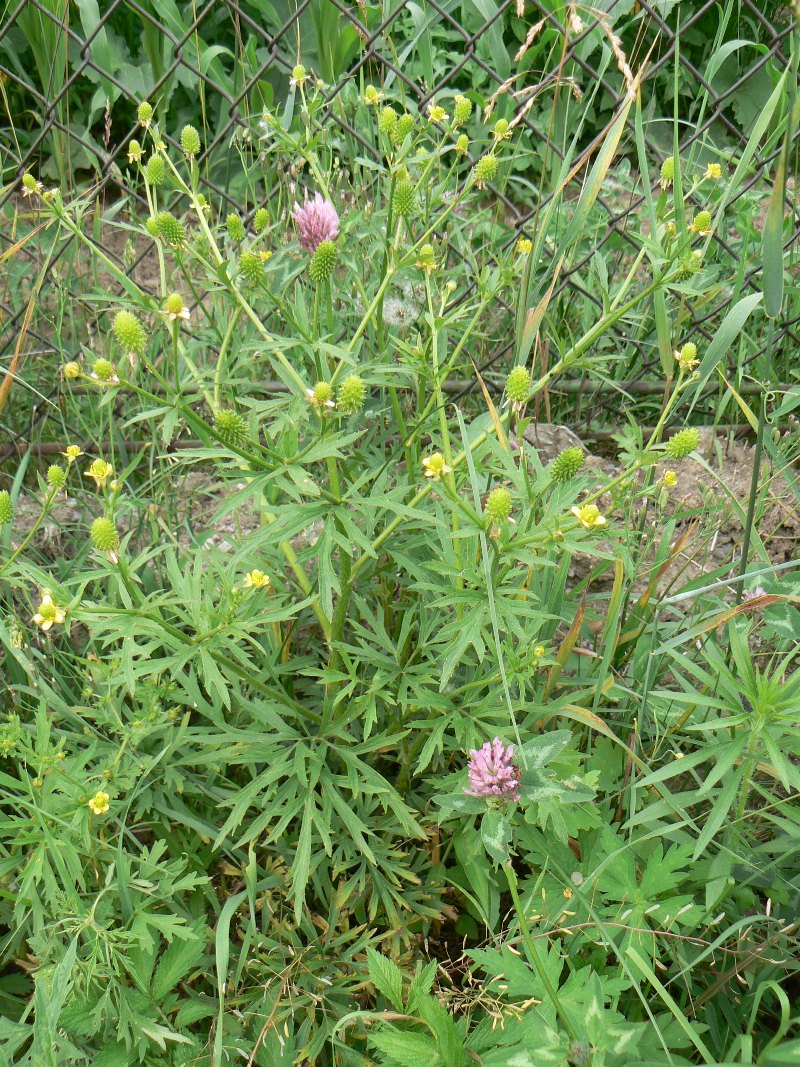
(241, 821)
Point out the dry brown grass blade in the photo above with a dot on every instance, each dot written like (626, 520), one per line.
(567, 646)
(16, 359)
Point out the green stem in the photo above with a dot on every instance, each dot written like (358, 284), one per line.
(48, 501)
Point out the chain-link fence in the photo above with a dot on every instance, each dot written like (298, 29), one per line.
(72, 76)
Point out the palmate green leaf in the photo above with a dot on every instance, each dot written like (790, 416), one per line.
(496, 835)
(405, 1049)
(387, 978)
(178, 961)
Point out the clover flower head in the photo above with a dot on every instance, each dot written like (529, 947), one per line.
(493, 775)
(435, 466)
(100, 803)
(256, 580)
(48, 613)
(752, 594)
(588, 515)
(316, 221)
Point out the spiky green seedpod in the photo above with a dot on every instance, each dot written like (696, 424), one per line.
(498, 505)
(251, 268)
(567, 464)
(501, 131)
(402, 128)
(104, 535)
(518, 385)
(169, 229)
(6, 507)
(30, 184)
(151, 225)
(190, 141)
(667, 171)
(155, 170)
(261, 220)
(404, 201)
(387, 120)
(462, 109)
(462, 145)
(56, 476)
(352, 393)
(682, 443)
(129, 332)
(485, 170)
(103, 369)
(231, 427)
(235, 227)
(144, 113)
(323, 262)
(702, 223)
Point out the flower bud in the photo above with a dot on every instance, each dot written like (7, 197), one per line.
(56, 476)
(518, 384)
(235, 227)
(71, 370)
(104, 535)
(130, 334)
(683, 442)
(567, 464)
(498, 505)
(155, 170)
(144, 113)
(231, 427)
(352, 393)
(6, 507)
(190, 141)
(323, 262)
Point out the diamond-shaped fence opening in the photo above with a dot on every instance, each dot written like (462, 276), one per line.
(71, 81)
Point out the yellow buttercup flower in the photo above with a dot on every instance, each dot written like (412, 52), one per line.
(713, 171)
(101, 471)
(670, 479)
(99, 804)
(436, 113)
(48, 613)
(588, 515)
(435, 466)
(524, 246)
(256, 580)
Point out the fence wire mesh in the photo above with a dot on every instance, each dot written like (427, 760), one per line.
(72, 76)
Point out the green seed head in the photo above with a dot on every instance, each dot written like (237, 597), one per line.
(155, 170)
(6, 507)
(404, 201)
(231, 427)
(145, 113)
(462, 109)
(299, 74)
(462, 145)
(235, 227)
(402, 128)
(352, 393)
(261, 220)
(485, 170)
(702, 222)
(518, 384)
(683, 443)
(104, 535)
(498, 505)
(387, 120)
(169, 229)
(135, 151)
(689, 351)
(567, 464)
(174, 304)
(251, 268)
(151, 225)
(190, 141)
(129, 332)
(323, 262)
(668, 170)
(323, 393)
(103, 369)
(56, 476)
(500, 131)
(29, 183)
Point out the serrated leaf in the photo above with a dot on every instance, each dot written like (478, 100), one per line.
(387, 978)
